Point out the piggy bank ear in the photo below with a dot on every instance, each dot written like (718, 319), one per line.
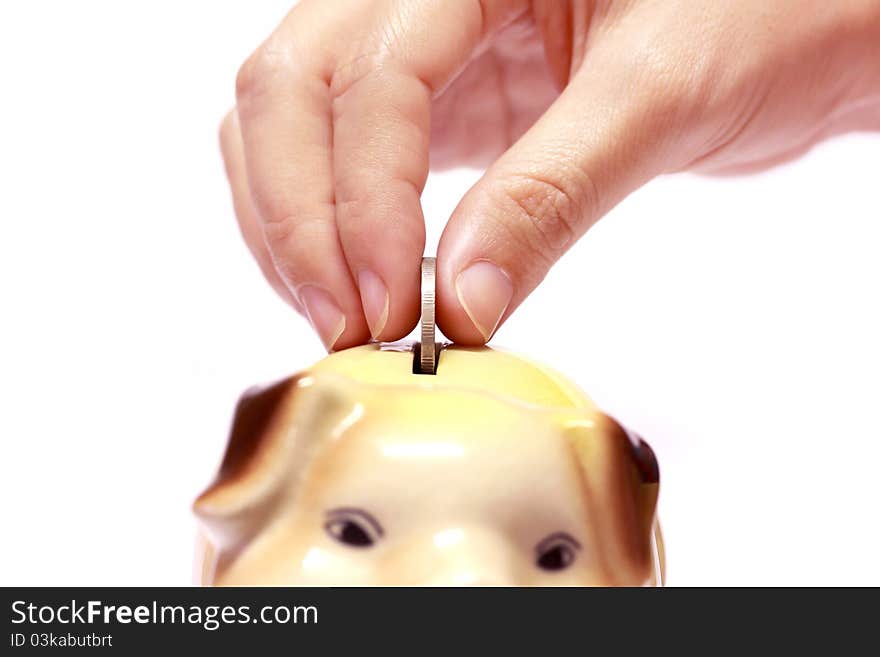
(274, 434)
(621, 480)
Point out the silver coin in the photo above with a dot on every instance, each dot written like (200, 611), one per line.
(428, 346)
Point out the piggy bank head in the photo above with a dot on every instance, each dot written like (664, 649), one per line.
(494, 471)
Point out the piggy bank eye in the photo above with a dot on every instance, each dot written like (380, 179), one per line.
(354, 527)
(556, 552)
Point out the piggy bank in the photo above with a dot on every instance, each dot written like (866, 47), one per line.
(493, 471)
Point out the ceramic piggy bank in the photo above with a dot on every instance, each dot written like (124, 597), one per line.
(493, 471)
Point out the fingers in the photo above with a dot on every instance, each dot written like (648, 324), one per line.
(334, 117)
(381, 101)
(248, 221)
(286, 128)
(380, 157)
(596, 143)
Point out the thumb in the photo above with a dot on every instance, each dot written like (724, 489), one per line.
(600, 140)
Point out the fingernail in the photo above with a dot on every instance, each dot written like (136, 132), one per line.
(484, 292)
(323, 313)
(374, 297)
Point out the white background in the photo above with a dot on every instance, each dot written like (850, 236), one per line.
(734, 323)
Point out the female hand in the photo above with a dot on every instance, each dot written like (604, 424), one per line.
(571, 105)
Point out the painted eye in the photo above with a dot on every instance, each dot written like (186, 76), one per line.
(353, 527)
(556, 552)
(349, 532)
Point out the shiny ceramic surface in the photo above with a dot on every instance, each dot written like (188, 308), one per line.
(494, 471)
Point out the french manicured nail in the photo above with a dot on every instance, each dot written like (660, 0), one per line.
(374, 297)
(323, 313)
(484, 292)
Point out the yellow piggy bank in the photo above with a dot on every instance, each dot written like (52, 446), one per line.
(493, 471)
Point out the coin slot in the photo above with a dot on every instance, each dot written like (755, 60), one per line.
(417, 359)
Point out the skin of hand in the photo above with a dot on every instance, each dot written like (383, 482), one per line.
(569, 106)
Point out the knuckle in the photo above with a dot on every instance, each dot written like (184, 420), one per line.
(669, 88)
(259, 70)
(278, 210)
(677, 84)
(249, 75)
(694, 103)
(548, 209)
(279, 232)
(291, 239)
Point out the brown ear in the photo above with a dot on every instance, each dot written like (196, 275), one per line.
(622, 481)
(274, 433)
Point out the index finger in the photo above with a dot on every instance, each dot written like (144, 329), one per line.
(381, 93)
